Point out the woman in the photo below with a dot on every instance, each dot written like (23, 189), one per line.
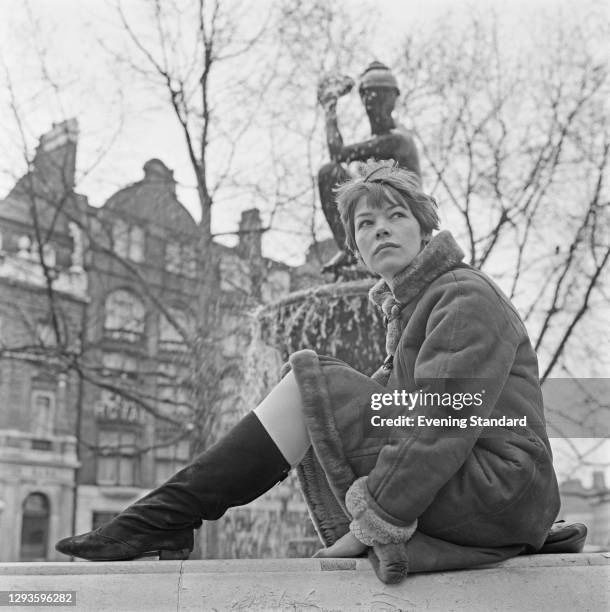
(418, 498)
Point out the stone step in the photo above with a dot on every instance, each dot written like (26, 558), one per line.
(540, 582)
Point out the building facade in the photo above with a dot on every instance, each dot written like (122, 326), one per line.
(103, 347)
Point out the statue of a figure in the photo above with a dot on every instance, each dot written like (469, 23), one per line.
(378, 90)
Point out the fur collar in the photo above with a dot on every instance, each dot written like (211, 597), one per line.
(440, 255)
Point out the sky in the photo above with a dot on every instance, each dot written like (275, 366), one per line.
(121, 129)
(119, 134)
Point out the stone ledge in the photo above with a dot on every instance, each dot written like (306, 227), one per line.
(540, 582)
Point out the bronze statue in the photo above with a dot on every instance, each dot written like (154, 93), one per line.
(378, 90)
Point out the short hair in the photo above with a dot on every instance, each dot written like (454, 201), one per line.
(383, 181)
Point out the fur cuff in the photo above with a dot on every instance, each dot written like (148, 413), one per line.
(366, 525)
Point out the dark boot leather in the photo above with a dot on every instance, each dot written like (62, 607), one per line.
(240, 467)
(99, 546)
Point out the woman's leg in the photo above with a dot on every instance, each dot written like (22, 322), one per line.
(241, 466)
(281, 414)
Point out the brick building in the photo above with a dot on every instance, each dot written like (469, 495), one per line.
(97, 309)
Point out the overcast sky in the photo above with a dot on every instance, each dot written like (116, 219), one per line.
(69, 32)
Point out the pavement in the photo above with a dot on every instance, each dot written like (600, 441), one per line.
(540, 582)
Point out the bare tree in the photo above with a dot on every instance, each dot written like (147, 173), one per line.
(514, 150)
(198, 58)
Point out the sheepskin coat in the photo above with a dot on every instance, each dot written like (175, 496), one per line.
(450, 330)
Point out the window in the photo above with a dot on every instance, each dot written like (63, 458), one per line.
(116, 460)
(120, 365)
(173, 259)
(116, 407)
(170, 339)
(49, 255)
(125, 316)
(235, 274)
(180, 259)
(128, 240)
(189, 258)
(42, 445)
(169, 458)
(101, 518)
(35, 528)
(123, 370)
(24, 244)
(174, 399)
(42, 413)
(45, 333)
(120, 238)
(136, 244)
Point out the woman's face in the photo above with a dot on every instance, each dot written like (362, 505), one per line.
(388, 238)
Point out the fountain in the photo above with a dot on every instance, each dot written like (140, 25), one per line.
(334, 319)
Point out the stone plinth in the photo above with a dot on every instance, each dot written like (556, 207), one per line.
(541, 582)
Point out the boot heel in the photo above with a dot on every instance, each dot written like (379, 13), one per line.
(174, 555)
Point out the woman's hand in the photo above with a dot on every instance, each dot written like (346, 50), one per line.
(347, 546)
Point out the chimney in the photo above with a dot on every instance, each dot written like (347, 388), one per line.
(250, 234)
(155, 171)
(60, 135)
(55, 159)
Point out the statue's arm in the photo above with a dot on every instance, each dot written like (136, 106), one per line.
(379, 147)
(387, 146)
(334, 140)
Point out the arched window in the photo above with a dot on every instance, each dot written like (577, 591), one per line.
(35, 528)
(125, 316)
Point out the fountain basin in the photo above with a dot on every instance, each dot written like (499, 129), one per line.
(335, 319)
